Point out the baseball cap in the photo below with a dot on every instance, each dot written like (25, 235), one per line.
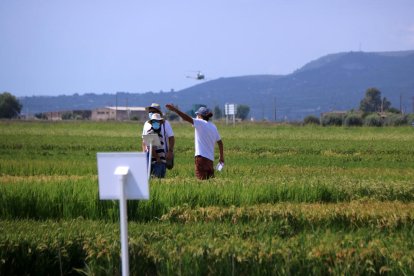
(204, 111)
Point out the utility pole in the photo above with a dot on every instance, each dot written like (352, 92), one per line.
(263, 112)
(274, 105)
(116, 106)
(413, 104)
(127, 109)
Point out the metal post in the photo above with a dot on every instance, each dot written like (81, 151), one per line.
(124, 225)
(149, 160)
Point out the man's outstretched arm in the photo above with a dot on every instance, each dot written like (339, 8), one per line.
(184, 116)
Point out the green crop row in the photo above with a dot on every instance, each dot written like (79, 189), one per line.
(92, 247)
(351, 215)
(63, 145)
(63, 197)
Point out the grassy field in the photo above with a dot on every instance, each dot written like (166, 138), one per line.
(291, 200)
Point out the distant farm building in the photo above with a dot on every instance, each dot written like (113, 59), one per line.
(119, 113)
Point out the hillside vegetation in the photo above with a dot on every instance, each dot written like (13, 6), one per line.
(333, 82)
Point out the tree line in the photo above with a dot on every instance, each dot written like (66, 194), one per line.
(373, 110)
(10, 108)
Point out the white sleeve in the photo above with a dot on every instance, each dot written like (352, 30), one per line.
(196, 122)
(147, 127)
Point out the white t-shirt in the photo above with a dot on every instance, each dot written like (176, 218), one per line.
(168, 131)
(206, 136)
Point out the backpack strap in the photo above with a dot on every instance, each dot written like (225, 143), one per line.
(165, 140)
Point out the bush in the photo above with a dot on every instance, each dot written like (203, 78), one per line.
(353, 120)
(410, 119)
(311, 119)
(395, 120)
(373, 120)
(67, 116)
(332, 119)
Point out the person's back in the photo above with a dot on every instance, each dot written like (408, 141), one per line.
(206, 137)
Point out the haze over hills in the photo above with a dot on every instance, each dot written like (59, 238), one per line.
(333, 82)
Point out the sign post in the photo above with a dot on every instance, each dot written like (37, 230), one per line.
(122, 176)
(151, 140)
(122, 173)
(230, 109)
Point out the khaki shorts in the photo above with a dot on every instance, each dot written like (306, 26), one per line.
(204, 168)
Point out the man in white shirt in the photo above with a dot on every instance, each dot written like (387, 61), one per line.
(205, 137)
(162, 127)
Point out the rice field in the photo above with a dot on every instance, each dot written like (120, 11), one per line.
(290, 200)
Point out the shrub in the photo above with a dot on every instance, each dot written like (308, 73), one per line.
(353, 120)
(373, 120)
(395, 120)
(311, 119)
(332, 119)
(67, 116)
(410, 119)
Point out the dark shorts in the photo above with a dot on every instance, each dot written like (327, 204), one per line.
(204, 168)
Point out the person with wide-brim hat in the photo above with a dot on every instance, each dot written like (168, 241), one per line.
(154, 108)
(164, 155)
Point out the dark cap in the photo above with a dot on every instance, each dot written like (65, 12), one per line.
(204, 112)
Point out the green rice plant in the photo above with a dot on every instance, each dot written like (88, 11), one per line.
(291, 200)
(350, 215)
(202, 248)
(62, 197)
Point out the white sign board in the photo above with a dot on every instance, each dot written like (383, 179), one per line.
(151, 139)
(111, 164)
(230, 109)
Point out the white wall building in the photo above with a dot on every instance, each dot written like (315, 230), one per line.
(119, 113)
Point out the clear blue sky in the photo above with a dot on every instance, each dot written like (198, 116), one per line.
(55, 47)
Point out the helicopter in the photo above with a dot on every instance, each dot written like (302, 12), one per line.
(199, 76)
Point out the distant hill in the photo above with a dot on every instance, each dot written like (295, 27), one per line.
(333, 82)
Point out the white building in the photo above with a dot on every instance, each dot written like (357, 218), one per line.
(119, 113)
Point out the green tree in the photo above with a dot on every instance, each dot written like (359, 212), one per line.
(386, 104)
(10, 106)
(41, 116)
(311, 120)
(217, 113)
(192, 112)
(242, 111)
(373, 102)
(67, 115)
(171, 116)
